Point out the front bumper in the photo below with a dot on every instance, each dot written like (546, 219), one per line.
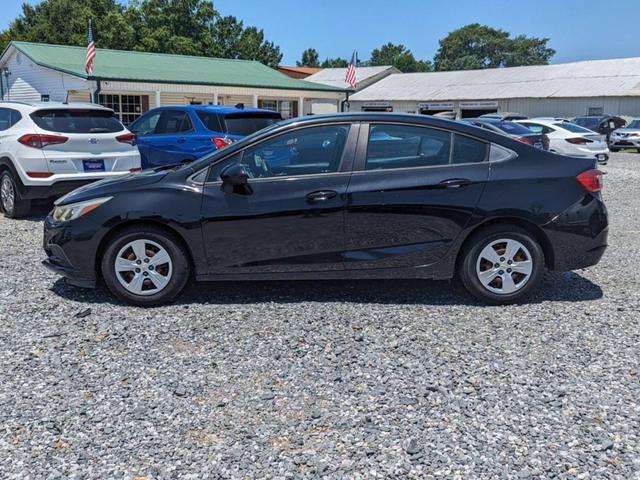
(71, 248)
(625, 142)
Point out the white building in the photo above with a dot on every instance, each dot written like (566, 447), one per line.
(581, 88)
(133, 82)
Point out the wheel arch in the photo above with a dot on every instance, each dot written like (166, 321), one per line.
(535, 231)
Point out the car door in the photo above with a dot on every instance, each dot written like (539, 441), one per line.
(145, 129)
(292, 219)
(169, 143)
(413, 190)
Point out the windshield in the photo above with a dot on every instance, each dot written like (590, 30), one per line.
(588, 122)
(77, 121)
(513, 128)
(572, 127)
(634, 123)
(247, 123)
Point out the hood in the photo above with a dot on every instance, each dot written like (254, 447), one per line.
(627, 130)
(110, 186)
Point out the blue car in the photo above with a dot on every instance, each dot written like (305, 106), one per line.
(183, 133)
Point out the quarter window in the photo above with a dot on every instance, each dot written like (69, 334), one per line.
(307, 151)
(403, 146)
(8, 118)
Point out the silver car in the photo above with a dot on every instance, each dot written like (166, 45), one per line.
(626, 137)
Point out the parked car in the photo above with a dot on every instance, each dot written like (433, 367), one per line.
(184, 133)
(602, 124)
(508, 116)
(627, 137)
(514, 130)
(567, 138)
(361, 195)
(48, 149)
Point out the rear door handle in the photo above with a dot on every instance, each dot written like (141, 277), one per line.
(455, 183)
(321, 195)
(182, 140)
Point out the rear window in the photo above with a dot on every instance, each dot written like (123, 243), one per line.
(588, 122)
(572, 127)
(513, 128)
(77, 121)
(247, 123)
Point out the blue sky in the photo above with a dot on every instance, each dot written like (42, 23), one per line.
(579, 30)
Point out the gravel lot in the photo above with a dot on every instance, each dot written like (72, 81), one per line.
(394, 379)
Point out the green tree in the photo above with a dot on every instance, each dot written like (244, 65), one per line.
(478, 46)
(400, 57)
(334, 63)
(309, 58)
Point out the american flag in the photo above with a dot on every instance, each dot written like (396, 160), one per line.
(351, 71)
(91, 52)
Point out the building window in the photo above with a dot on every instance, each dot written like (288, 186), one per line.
(595, 111)
(126, 107)
(44, 98)
(286, 108)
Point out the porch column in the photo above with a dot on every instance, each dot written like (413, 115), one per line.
(255, 101)
(301, 107)
(215, 98)
(157, 98)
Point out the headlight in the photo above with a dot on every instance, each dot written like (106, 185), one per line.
(65, 213)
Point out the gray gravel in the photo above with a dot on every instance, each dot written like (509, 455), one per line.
(400, 379)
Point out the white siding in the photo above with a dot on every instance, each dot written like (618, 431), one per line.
(28, 82)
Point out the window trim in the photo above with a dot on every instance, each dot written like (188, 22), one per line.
(363, 147)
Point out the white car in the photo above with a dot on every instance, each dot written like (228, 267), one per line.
(48, 149)
(567, 138)
(626, 137)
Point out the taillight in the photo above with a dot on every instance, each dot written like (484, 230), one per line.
(524, 140)
(221, 142)
(39, 174)
(129, 138)
(135, 170)
(579, 140)
(591, 180)
(37, 140)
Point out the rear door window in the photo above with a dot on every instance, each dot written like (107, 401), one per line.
(244, 124)
(174, 122)
(468, 150)
(210, 120)
(77, 121)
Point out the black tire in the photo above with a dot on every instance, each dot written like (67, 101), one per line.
(470, 257)
(181, 269)
(15, 207)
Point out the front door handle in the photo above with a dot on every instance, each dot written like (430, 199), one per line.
(321, 195)
(455, 183)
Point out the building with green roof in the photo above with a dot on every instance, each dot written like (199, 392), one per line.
(132, 82)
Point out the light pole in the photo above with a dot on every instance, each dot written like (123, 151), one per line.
(5, 74)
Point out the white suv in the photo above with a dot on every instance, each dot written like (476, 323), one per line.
(48, 149)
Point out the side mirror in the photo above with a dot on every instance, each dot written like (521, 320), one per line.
(235, 179)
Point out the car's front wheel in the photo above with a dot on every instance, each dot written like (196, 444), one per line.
(502, 264)
(145, 266)
(12, 205)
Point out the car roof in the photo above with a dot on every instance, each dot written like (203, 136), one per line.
(222, 109)
(54, 105)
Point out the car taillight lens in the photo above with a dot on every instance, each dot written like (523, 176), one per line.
(39, 174)
(579, 140)
(37, 140)
(221, 142)
(591, 180)
(129, 138)
(524, 140)
(135, 170)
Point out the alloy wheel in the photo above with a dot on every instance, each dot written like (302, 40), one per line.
(143, 267)
(504, 266)
(7, 194)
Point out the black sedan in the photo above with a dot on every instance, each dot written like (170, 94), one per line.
(340, 196)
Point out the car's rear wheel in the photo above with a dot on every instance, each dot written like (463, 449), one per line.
(11, 204)
(145, 266)
(502, 264)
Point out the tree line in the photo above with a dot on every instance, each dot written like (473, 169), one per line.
(471, 47)
(194, 27)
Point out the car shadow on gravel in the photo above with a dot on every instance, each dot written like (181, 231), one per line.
(564, 287)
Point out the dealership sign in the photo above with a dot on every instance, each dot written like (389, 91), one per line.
(436, 106)
(376, 104)
(479, 104)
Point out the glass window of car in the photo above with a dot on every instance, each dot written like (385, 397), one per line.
(147, 124)
(403, 146)
(468, 150)
(572, 127)
(591, 123)
(306, 151)
(8, 118)
(210, 120)
(77, 120)
(635, 123)
(513, 128)
(247, 123)
(173, 121)
(537, 128)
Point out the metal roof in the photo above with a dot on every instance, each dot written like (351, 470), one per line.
(593, 78)
(335, 76)
(162, 68)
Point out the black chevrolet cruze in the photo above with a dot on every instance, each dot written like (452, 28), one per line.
(339, 196)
